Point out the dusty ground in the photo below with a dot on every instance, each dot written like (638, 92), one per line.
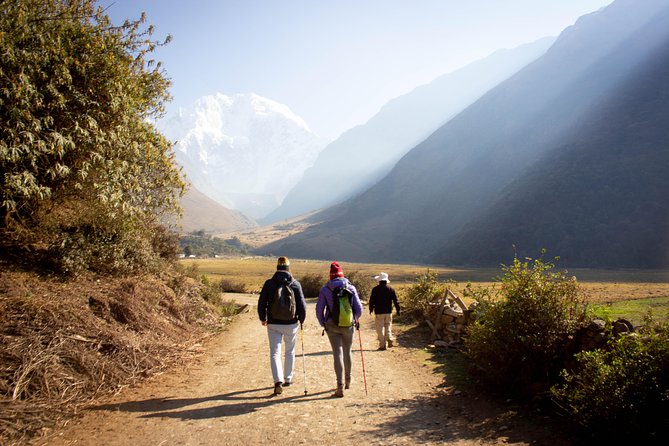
(224, 398)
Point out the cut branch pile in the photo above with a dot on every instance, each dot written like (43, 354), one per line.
(447, 318)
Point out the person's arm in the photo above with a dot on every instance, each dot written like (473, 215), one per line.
(396, 302)
(372, 301)
(301, 303)
(356, 305)
(320, 307)
(262, 302)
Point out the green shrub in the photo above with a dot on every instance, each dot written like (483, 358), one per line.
(228, 309)
(362, 283)
(312, 284)
(416, 299)
(229, 286)
(521, 330)
(192, 270)
(211, 291)
(622, 389)
(112, 248)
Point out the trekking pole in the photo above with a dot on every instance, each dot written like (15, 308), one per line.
(304, 370)
(362, 357)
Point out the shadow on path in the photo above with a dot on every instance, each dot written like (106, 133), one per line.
(248, 401)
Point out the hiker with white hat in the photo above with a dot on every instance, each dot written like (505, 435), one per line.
(381, 304)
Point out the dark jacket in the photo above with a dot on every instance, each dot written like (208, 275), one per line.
(382, 299)
(268, 291)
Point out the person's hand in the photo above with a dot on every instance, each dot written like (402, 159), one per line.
(357, 325)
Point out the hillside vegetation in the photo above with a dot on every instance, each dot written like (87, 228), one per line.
(86, 177)
(90, 297)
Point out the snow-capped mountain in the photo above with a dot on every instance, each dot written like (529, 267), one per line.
(244, 151)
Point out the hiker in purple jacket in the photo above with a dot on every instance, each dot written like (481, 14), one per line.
(341, 337)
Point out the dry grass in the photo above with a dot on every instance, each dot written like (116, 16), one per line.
(253, 271)
(598, 286)
(64, 343)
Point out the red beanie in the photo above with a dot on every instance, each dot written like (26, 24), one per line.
(335, 270)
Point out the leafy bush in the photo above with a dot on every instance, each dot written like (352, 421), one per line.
(312, 284)
(228, 309)
(521, 331)
(211, 291)
(416, 299)
(622, 389)
(229, 286)
(362, 283)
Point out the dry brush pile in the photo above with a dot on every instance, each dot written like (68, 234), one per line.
(64, 343)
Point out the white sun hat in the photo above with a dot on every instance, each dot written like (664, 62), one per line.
(383, 277)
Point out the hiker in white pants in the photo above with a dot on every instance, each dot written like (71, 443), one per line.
(281, 306)
(381, 304)
(288, 334)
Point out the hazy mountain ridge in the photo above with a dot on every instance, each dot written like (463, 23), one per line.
(363, 155)
(244, 151)
(443, 189)
(201, 212)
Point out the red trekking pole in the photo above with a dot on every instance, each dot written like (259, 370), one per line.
(362, 357)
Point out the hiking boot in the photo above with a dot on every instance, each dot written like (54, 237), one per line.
(381, 348)
(286, 384)
(391, 344)
(339, 393)
(348, 383)
(277, 389)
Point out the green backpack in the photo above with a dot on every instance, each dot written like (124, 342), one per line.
(342, 311)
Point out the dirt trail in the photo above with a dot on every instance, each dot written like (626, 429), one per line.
(223, 398)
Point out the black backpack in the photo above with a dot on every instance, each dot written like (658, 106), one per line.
(283, 306)
(342, 308)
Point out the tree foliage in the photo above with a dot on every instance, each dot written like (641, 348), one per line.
(81, 164)
(200, 244)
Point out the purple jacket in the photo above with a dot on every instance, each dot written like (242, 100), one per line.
(325, 301)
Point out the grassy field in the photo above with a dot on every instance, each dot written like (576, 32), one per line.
(612, 293)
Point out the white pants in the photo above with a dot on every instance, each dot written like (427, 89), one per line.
(384, 328)
(276, 333)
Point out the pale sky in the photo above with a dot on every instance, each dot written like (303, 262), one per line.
(335, 62)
